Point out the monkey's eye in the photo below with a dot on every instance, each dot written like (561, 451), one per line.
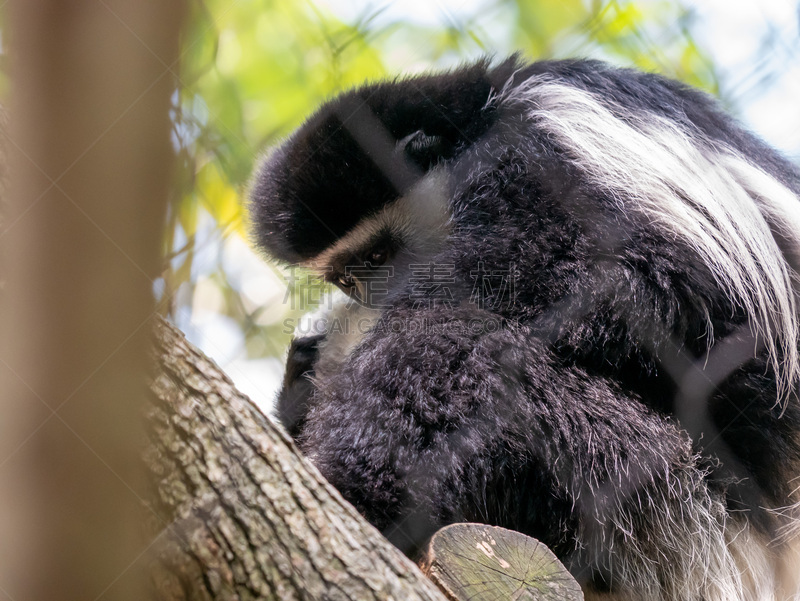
(346, 282)
(377, 257)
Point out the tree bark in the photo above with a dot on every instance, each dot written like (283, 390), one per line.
(243, 515)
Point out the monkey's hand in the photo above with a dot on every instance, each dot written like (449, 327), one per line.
(294, 398)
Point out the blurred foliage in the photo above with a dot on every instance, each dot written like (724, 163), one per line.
(253, 69)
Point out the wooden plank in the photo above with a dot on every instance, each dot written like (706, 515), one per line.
(487, 563)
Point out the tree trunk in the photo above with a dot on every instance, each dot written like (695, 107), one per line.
(244, 516)
(81, 230)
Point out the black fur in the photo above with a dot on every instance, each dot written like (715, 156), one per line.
(323, 180)
(292, 406)
(557, 409)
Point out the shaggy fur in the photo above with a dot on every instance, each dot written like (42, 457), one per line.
(603, 351)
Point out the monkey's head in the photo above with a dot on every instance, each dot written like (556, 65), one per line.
(363, 185)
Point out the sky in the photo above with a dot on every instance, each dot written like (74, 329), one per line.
(732, 31)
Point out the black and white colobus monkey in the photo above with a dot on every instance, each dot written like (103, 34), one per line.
(624, 389)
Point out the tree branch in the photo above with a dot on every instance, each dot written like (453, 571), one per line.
(244, 516)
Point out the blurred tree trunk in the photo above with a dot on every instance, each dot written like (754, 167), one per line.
(247, 517)
(80, 243)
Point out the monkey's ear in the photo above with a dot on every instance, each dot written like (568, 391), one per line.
(440, 113)
(425, 151)
(435, 117)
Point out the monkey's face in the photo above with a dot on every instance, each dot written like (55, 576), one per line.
(362, 271)
(376, 257)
